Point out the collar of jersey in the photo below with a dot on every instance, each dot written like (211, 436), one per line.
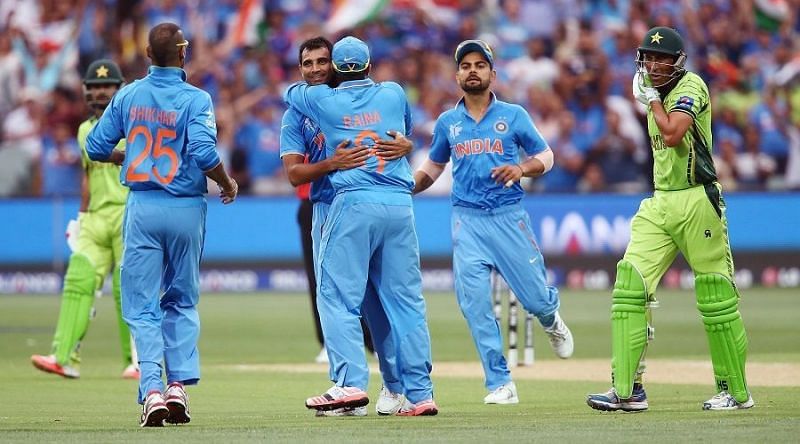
(460, 105)
(166, 72)
(355, 83)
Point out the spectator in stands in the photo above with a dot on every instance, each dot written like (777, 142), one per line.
(61, 163)
(259, 138)
(614, 155)
(567, 48)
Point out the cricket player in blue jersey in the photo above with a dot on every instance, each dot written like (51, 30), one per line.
(302, 139)
(171, 148)
(485, 138)
(369, 235)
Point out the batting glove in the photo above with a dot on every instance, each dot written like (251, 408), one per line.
(73, 231)
(644, 94)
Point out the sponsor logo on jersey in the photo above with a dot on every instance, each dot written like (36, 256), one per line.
(479, 146)
(657, 142)
(501, 127)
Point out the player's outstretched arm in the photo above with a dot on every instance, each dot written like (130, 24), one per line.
(395, 148)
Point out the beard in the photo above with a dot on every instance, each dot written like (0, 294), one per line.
(470, 87)
(98, 104)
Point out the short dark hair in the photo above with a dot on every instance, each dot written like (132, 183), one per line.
(314, 43)
(163, 44)
(347, 76)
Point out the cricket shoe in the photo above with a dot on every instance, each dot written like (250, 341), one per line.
(348, 411)
(177, 402)
(48, 364)
(154, 410)
(422, 408)
(725, 401)
(389, 403)
(610, 402)
(560, 338)
(131, 372)
(338, 397)
(505, 394)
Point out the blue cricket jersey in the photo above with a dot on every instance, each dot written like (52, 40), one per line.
(300, 135)
(170, 130)
(360, 111)
(477, 147)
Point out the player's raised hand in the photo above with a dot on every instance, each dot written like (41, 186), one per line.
(507, 174)
(345, 158)
(642, 92)
(392, 149)
(228, 193)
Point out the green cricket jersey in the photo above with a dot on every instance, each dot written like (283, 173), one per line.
(688, 164)
(105, 188)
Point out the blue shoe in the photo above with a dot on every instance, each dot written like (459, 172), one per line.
(610, 402)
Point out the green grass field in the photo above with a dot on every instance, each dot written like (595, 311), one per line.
(263, 402)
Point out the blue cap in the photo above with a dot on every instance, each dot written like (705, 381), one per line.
(479, 46)
(350, 55)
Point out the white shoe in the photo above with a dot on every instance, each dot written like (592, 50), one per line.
(725, 401)
(389, 403)
(560, 338)
(351, 411)
(177, 402)
(154, 410)
(505, 394)
(131, 372)
(338, 397)
(322, 357)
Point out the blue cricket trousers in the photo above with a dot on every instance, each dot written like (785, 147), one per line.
(370, 236)
(371, 309)
(502, 240)
(160, 276)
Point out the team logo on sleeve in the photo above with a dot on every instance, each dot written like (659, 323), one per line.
(501, 127)
(685, 103)
(455, 130)
(210, 121)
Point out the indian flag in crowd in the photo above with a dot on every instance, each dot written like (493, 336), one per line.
(347, 14)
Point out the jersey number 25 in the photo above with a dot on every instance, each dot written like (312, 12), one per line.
(152, 151)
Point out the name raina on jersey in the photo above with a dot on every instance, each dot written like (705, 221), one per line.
(361, 119)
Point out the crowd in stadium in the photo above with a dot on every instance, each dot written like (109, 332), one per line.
(568, 62)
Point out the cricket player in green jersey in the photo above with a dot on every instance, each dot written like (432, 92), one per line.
(686, 214)
(95, 239)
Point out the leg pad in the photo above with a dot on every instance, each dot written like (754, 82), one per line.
(718, 302)
(628, 327)
(77, 300)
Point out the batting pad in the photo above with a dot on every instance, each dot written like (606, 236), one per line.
(77, 299)
(628, 327)
(718, 303)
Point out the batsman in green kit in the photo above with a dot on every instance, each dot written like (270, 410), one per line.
(686, 214)
(95, 239)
